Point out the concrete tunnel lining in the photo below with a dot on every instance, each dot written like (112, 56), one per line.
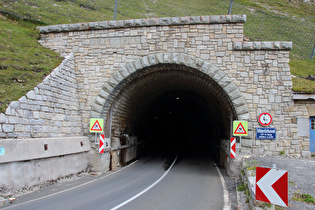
(134, 91)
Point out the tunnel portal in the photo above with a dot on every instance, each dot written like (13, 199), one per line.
(172, 106)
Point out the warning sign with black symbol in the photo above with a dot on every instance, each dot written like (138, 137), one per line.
(240, 128)
(96, 125)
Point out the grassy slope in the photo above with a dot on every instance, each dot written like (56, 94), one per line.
(24, 63)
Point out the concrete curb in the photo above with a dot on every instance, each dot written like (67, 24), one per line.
(249, 178)
(238, 198)
(4, 201)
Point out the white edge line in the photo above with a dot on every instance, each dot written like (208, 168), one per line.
(226, 205)
(66, 190)
(145, 190)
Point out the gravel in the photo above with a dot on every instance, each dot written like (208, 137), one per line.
(301, 172)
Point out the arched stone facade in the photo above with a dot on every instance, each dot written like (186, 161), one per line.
(109, 55)
(229, 95)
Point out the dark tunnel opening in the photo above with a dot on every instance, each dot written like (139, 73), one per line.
(183, 122)
(173, 108)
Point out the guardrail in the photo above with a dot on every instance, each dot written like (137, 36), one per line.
(124, 146)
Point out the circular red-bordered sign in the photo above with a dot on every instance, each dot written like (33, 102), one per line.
(265, 119)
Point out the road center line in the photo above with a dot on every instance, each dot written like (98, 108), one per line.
(148, 188)
(72, 188)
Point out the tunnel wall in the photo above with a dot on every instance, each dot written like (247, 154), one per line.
(106, 53)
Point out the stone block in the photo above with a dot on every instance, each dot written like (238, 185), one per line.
(267, 46)
(3, 118)
(238, 46)
(13, 120)
(14, 104)
(218, 76)
(152, 59)
(7, 128)
(306, 154)
(286, 45)
(247, 143)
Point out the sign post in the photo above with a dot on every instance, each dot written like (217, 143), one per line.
(272, 186)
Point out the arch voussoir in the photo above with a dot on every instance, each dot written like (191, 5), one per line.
(219, 76)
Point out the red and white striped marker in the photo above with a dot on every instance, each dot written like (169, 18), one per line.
(272, 186)
(233, 147)
(101, 145)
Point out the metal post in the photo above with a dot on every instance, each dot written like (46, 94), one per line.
(272, 206)
(230, 8)
(240, 146)
(115, 10)
(313, 52)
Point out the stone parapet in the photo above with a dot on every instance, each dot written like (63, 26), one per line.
(262, 46)
(37, 148)
(165, 21)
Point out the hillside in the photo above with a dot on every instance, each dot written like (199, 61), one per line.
(24, 63)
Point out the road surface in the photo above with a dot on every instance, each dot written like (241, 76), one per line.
(155, 182)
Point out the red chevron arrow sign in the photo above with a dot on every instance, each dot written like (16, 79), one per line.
(101, 145)
(233, 147)
(272, 186)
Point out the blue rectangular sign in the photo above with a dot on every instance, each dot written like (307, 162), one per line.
(266, 133)
(2, 150)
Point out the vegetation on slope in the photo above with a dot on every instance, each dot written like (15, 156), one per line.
(24, 63)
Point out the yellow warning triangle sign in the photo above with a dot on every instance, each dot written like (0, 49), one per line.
(96, 125)
(240, 128)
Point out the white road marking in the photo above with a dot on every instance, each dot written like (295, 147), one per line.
(81, 185)
(226, 205)
(148, 188)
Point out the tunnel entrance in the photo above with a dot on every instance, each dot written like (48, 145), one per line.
(172, 106)
(182, 121)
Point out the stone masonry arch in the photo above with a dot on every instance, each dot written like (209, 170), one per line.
(115, 84)
(111, 86)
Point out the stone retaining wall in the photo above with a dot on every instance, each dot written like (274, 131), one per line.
(49, 110)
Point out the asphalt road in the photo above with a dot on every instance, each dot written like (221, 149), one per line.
(150, 183)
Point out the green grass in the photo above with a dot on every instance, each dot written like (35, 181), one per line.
(241, 187)
(24, 63)
(302, 69)
(306, 198)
